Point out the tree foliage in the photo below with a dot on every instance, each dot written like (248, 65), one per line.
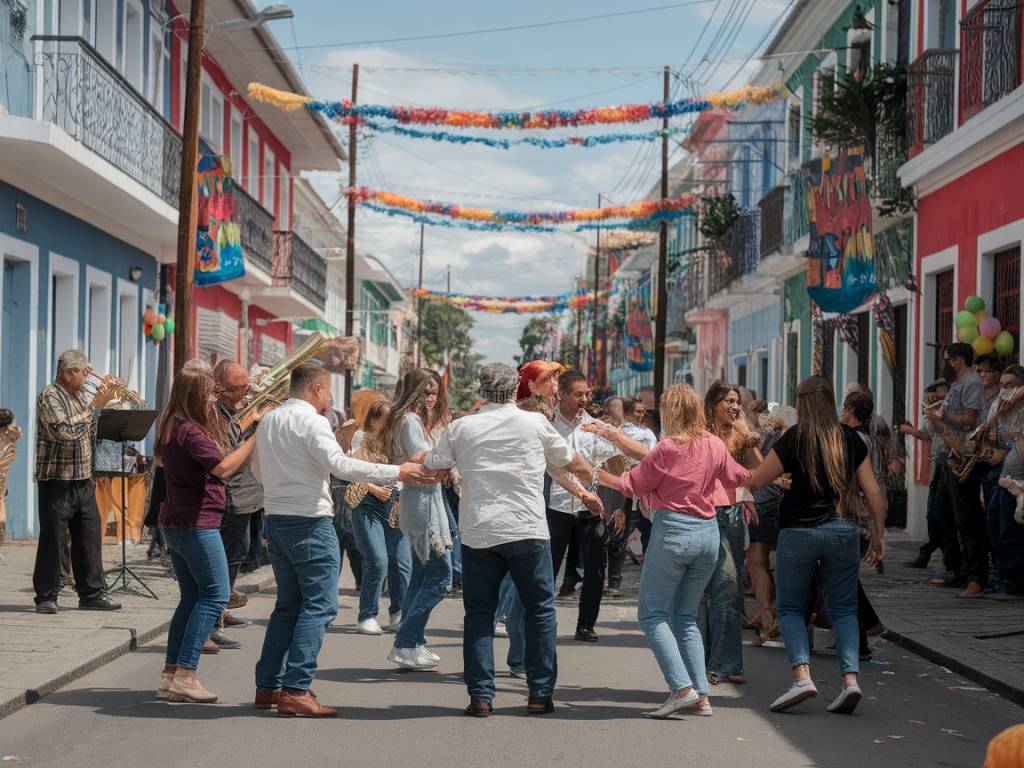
(534, 339)
(446, 327)
(718, 213)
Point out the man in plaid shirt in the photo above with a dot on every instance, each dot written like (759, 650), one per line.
(65, 437)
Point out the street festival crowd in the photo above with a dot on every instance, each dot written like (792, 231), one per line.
(722, 492)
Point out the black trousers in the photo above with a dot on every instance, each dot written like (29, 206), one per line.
(968, 521)
(236, 533)
(68, 505)
(590, 535)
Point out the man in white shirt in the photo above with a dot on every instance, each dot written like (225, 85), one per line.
(296, 452)
(633, 427)
(567, 517)
(501, 453)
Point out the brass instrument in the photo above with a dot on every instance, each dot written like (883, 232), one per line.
(122, 393)
(979, 444)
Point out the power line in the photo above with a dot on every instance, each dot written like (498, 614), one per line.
(759, 43)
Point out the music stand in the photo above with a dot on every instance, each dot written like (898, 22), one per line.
(122, 427)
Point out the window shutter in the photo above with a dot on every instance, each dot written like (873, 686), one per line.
(272, 351)
(218, 335)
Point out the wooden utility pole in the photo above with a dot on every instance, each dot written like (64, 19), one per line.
(419, 307)
(448, 367)
(350, 237)
(187, 193)
(597, 286)
(661, 307)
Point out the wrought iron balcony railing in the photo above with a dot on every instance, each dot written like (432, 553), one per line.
(98, 107)
(883, 169)
(739, 255)
(990, 54)
(772, 208)
(794, 208)
(297, 265)
(931, 90)
(257, 225)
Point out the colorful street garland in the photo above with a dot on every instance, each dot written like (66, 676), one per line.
(512, 304)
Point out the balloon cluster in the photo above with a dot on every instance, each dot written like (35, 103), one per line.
(984, 334)
(157, 323)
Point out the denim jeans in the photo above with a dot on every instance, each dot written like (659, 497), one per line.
(429, 583)
(529, 564)
(833, 548)
(968, 520)
(589, 533)
(306, 561)
(201, 569)
(721, 616)
(453, 527)
(510, 611)
(679, 562)
(384, 550)
(1009, 542)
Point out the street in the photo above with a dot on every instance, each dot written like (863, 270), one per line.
(914, 713)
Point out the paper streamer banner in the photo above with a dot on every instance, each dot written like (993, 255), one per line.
(513, 304)
(218, 237)
(433, 221)
(544, 119)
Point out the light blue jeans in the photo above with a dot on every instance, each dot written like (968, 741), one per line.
(384, 550)
(428, 586)
(201, 568)
(307, 563)
(679, 562)
(721, 619)
(833, 546)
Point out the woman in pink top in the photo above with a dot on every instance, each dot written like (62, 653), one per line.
(679, 478)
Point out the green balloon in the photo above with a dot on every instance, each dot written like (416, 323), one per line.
(974, 303)
(1004, 344)
(964, 319)
(169, 325)
(967, 334)
(158, 332)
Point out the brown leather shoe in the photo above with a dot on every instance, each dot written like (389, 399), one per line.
(237, 600)
(541, 706)
(210, 647)
(233, 621)
(479, 708)
(266, 699)
(302, 704)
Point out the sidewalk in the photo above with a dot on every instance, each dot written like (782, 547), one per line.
(981, 639)
(39, 654)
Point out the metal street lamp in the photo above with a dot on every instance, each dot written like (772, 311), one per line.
(270, 13)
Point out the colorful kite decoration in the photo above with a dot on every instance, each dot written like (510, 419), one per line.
(519, 305)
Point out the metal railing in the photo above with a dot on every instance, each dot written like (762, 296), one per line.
(795, 221)
(772, 208)
(298, 266)
(883, 169)
(990, 54)
(739, 254)
(97, 106)
(931, 87)
(257, 225)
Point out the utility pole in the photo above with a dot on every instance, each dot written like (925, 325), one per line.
(350, 237)
(419, 306)
(448, 367)
(187, 193)
(597, 285)
(578, 363)
(660, 317)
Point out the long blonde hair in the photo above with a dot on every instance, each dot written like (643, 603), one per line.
(374, 448)
(738, 438)
(682, 413)
(819, 433)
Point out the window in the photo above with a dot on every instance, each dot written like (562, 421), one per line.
(98, 344)
(943, 316)
(741, 374)
(182, 79)
(903, 26)
(793, 135)
(828, 352)
(284, 217)
(237, 147)
(269, 179)
(899, 405)
(211, 115)
(252, 180)
(860, 57)
(166, 76)
(87, 27)
(1006, 292)
(763, 378)
(106, 24)
(217, 336)
(128, 339)
(863, 348)
(792, 365)
(154, 78)
(133, 44)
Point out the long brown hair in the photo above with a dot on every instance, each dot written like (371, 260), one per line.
(413, 395)
(738, 438)
(819, 434)
(682, 413)
(375, 422)
(191, 400)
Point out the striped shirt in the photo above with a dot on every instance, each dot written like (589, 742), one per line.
(65, 435)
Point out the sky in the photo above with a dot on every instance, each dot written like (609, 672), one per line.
(572, 66)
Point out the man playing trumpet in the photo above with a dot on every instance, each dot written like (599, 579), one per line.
(65, 439)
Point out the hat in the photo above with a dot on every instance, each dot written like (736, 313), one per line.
(497, 382)
(534, 371)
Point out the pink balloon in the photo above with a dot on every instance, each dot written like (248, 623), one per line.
(990, 327)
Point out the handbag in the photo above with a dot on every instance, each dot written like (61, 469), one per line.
(854, 506)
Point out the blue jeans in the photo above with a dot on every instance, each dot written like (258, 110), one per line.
(679, 562)
(306, 561)
(453, 527)
(722, 608)
(510, 611)
(429, 584)
(201, 568)
(384, 549)
(528, 562)
(834, 549)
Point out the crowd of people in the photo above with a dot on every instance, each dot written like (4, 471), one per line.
(717, 496)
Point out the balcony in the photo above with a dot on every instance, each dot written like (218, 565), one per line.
(990, 54)
(772, 207)
(795, 222)
(257, 230)
(738, 256)
(94, 104)
(297, 266)
(931, 97)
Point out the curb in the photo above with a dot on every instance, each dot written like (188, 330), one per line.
(134, 640)
(994, 684)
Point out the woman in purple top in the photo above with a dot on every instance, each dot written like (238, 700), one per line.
(190, 446)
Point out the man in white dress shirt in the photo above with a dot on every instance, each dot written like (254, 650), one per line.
(296, 452)
(501, 453)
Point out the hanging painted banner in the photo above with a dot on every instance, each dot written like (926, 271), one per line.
(840, 256)
(639, 336)
(218, 237)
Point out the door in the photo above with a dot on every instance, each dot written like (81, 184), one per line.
(14, 386)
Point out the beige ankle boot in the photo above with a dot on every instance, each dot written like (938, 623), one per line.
(163, 692)
(185, 686)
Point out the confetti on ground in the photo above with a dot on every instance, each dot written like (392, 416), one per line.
(918, 722)
(740, 738)
(880, 662)
(887, 672)
(973, 688)
(924, 674)
(952, 732)
(16, 759)
(887, 739)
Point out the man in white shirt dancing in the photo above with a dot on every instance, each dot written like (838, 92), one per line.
(295, 454)
(501, 453)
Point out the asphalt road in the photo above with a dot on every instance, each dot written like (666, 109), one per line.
(914, 714)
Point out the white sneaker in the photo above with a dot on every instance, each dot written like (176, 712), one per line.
(426, 653)
(847, 700)
(799, 691)
(369, 627)
(675, 702)
(394, 620)
(409, 658)
(500, 630)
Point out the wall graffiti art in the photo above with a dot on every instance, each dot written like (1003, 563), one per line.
(219, 255)
(639, 336)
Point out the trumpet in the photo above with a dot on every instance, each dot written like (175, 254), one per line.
(122, 392)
